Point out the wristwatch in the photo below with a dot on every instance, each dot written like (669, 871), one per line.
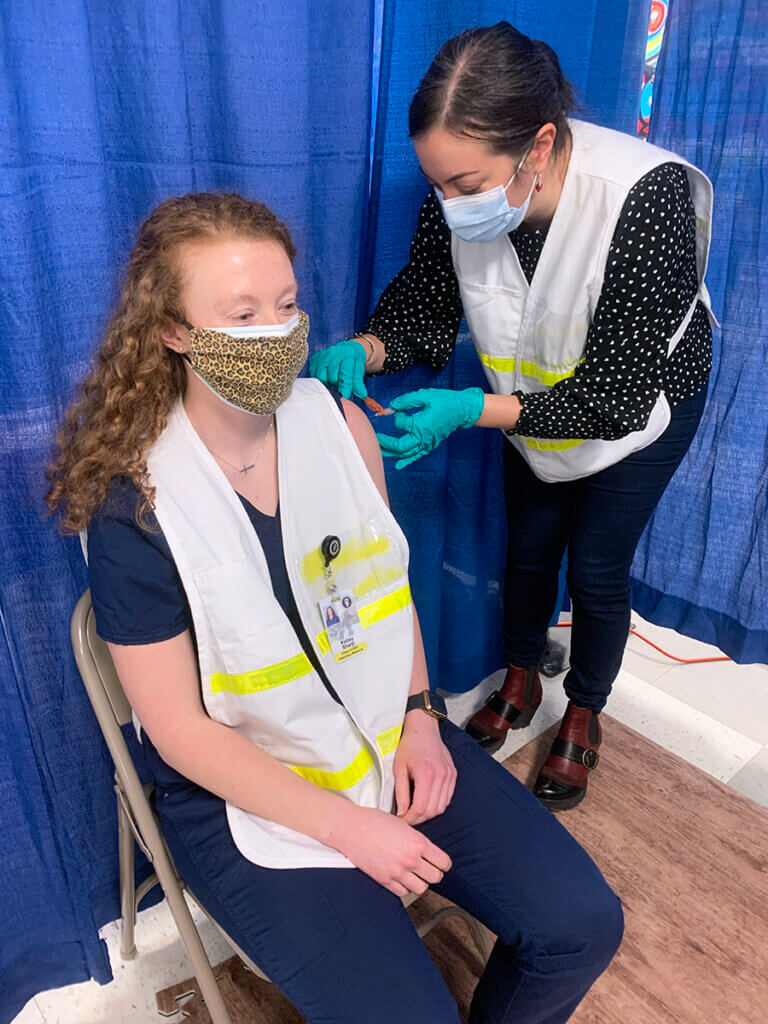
(429, 702)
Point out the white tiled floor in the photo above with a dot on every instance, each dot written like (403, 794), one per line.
(752, 780)
(130, 998)
(713, 715)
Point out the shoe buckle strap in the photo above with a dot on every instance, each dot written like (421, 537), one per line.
(587, 756)
(502, 708)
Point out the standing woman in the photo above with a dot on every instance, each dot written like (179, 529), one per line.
(577, 255)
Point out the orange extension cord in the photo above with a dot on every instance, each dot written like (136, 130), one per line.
(683, 661)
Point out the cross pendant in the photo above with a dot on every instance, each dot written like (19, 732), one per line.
(246, 468)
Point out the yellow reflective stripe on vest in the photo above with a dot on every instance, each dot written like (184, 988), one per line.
(354, 772)
(299, 665)
(552, 446)
(387, 741)
(312, 566)
(344, 779)
(374, 612)
(259, 679)
(502, 364)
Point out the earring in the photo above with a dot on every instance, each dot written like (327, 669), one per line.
(539, 183)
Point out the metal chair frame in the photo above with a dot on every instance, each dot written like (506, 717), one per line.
(138, 824)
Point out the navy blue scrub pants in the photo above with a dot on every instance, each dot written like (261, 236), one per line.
(600, 520)
(343, 949)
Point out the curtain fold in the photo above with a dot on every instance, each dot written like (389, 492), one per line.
(451, 502)
(106, 108)
(702, 565)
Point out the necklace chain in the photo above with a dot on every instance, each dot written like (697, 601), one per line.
(244, 468)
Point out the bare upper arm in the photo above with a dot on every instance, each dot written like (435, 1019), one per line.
(365, 439)
(162, 684)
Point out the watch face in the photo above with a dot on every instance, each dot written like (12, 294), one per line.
(438, 705)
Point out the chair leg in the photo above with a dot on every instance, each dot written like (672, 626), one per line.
(126, 856)
(193, 945)
(190, 937)
(479, 934)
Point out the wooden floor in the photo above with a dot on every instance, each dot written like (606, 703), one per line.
(687, 855)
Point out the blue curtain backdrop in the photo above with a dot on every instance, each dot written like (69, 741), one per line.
(702, 566)
(106, 108)
(451, 503)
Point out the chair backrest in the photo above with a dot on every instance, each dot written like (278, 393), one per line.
(112, 710)
(95, 662)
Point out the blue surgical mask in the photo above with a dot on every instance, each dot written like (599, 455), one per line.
(486, 215)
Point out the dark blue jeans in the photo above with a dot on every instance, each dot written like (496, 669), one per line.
(343, 949)
(600, 520)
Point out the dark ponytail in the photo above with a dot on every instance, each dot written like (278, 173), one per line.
(493, 84)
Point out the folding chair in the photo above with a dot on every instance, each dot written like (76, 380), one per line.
(138, 823)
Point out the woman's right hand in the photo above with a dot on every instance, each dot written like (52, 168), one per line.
(342, 366)
(393, 853)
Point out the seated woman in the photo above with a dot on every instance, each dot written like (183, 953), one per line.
(303, 783)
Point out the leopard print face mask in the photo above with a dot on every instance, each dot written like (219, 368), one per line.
(250, 368)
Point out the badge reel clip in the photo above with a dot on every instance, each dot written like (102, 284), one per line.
(338, 609)
(330, 549)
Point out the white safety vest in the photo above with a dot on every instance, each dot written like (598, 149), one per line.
(530, 336)
(255, 676)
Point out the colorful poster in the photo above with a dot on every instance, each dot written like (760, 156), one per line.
(652, 49)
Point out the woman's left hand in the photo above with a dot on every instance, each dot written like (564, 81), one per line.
(440, 411)
(425, 776)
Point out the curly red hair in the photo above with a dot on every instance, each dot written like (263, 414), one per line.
(130, 390)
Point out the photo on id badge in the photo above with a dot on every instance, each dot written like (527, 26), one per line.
(342, 625)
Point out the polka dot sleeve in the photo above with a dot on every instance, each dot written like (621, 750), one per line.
(650, 282)
(419, 313)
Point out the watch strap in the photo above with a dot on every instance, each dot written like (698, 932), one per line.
(425, 701)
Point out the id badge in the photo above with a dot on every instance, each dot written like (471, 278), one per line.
(342, 625)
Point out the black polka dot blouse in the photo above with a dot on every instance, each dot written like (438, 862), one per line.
(649, 284)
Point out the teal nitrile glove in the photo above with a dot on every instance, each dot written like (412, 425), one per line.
(440, 412)
(342, 366)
